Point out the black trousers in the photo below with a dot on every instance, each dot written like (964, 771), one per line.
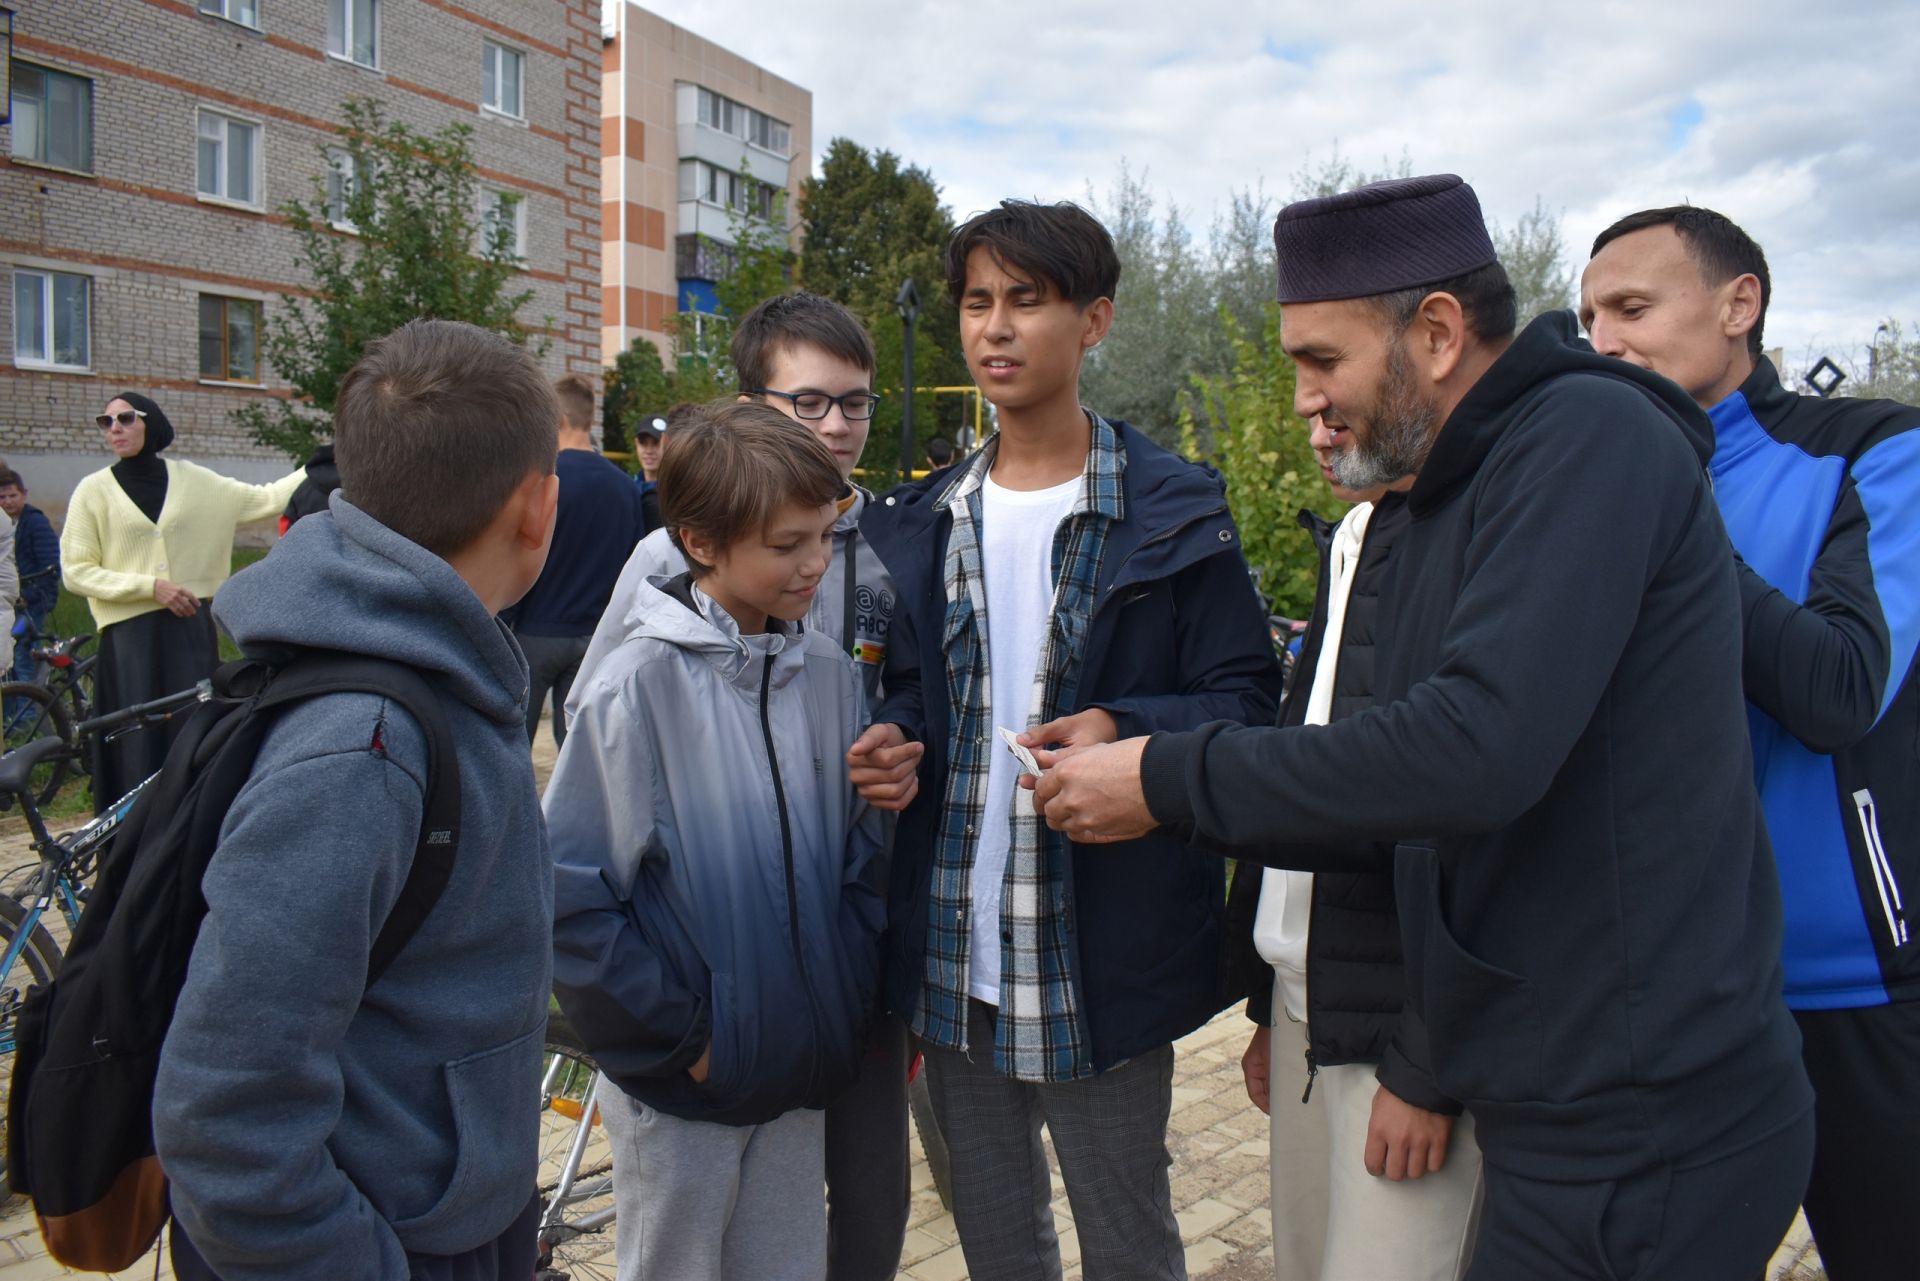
(1720, 1221)
(868, 1163)
(508, 1257)
(142, 659)
(1863, 1202)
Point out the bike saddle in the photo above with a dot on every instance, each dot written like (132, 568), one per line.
(16, 767)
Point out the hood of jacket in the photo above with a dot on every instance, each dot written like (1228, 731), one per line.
(1548, 349)
(674, 610)
(341, 580)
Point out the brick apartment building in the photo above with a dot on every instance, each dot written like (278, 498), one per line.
(153, 141)
(692, 135)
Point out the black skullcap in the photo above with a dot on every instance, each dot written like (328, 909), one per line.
(1380, 238)
(159, 429)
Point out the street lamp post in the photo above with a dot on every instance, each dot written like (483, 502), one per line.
(1873, 352)
(907, 302)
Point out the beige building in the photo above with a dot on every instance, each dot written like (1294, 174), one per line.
(154, 141)
(692, 138)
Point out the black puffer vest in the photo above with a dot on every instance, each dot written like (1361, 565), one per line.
(1356, 984)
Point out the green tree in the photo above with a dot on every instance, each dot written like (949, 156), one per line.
(418, 248)
(1534, 255)
(1260, 448)
(871, 222)
(1892, 369)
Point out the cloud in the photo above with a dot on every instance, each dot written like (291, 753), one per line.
(1800, 134)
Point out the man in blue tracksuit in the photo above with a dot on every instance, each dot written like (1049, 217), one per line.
(1822, 501)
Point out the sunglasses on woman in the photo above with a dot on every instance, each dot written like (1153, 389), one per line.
(126, 418)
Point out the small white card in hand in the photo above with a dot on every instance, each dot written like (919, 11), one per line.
(1027, 764)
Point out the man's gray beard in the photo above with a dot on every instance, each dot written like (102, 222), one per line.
(1400, 431)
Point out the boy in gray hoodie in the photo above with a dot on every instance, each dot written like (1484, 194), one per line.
(716, 898)
(314, 1126)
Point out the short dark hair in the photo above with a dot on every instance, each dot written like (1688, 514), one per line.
(731, 465)
(792, 320)
(10, 479)
(1719, 248)
(576, 400)
(437, 425)
(1060, 244)
(939, 451)
(1486, 297)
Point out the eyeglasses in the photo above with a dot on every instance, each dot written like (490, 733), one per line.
(126, 418)
(858, 406)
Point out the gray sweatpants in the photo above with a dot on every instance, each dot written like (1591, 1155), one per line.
(703, 1202)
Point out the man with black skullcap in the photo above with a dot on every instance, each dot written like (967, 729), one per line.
(1558, 757)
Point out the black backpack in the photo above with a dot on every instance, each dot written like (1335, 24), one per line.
(80, 1123)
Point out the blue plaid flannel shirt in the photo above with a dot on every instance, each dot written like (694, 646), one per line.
(1040, 1036)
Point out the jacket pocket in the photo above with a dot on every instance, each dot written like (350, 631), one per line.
(496, 1122)
(1483, 1022)
(728, 1052)
(1884, 881)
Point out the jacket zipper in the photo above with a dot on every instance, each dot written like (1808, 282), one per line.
(786, 851)
(1883, 879)
(1313, 1070)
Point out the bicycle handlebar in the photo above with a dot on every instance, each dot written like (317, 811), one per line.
(159, 709)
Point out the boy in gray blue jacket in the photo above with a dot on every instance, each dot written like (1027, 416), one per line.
(314, 1126)
(717, 912)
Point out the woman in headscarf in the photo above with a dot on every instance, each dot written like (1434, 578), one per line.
(147, 541)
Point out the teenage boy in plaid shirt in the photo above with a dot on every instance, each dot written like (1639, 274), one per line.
(1072, 582)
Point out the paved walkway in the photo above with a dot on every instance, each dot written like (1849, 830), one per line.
(1219, 1145)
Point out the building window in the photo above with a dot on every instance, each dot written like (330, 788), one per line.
(229, 158)
(744, 123)
(503, 73)
(702, 181)
(353, 31)
(229, 339)
(244, 12)
(506, 209)
(52, 117)
(50, 316)
(344, 174)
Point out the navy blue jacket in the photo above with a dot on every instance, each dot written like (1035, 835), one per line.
(1588, 906)
(36, 548)
(1822, 501)
(1177, 638)
(596, 529)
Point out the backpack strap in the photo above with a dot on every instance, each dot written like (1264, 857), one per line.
(314, 673)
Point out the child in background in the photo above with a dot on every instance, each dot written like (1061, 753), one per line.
(716, 908)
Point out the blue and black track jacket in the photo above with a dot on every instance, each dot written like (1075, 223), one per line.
(1822, 501)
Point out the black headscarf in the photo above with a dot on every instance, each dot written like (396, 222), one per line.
(144, 476)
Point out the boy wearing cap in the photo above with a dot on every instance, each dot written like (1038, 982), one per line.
(1559, 759)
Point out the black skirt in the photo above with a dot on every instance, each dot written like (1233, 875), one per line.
(142, 659)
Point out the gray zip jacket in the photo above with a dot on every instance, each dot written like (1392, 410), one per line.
(856, 611)
(716, 879)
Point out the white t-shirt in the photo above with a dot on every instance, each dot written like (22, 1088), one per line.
(1286, 898)
(1016, 558)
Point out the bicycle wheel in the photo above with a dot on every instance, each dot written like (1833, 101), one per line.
(38, 961)
(34, 712)
(576, 1227)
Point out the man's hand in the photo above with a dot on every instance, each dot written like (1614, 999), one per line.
(702, 1065)
(1256, 1065)
(884, 767)
(1082, 729)
(1403, 1141)
(175, 598)
(1092, 794)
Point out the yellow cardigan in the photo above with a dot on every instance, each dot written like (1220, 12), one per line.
(111, 553)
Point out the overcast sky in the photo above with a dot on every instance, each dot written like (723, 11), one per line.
(1795, 120)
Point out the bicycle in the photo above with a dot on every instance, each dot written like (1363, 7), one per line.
(57, 880)
(575, 1179)
(56, 770)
